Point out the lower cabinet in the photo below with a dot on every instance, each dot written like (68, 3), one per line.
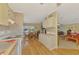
(14, 51)
(18, 48)
(48, 40)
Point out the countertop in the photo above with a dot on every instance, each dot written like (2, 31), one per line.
(11, 37)
(7, 47)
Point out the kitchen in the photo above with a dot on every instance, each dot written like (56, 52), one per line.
(16, 19)
(11, 27)
(25, 31)
(43, 22)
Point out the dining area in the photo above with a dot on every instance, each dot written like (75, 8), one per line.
(68, 36)
(72, 36)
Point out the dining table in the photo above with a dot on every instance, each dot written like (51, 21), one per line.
(73, 37)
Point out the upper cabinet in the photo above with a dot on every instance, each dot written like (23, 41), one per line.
(11, 14)
(6, 15)
(3, 14)
(50, 21)
(19, 17)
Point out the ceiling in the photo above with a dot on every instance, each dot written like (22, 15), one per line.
(33, 12)
(68, 13)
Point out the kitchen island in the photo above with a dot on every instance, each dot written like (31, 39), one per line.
(11, 45)
(7, 46)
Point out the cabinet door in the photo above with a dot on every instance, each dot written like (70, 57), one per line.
(3, 14)
(13, 51)
(51, 21)
(11, 14)
(19, 22)
(44, 24)
(19, 18)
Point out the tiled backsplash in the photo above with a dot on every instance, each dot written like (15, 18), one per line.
(10, 30)
(4, 31)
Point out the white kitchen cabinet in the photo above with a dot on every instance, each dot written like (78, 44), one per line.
(50, 21)
(45, 24)
(49, 41)
(19, 18)
(11, 14)
(50, 38)
(18, 48)
(13, 51)
(3, 14)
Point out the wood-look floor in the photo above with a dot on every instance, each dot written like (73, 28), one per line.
(34, 47)
(63, 51)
